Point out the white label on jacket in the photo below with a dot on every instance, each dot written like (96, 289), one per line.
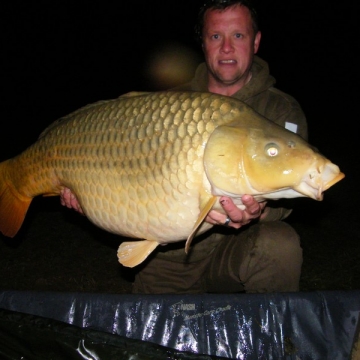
(290, 126)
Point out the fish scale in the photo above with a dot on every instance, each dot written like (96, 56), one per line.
(152, 165)
(137, 173)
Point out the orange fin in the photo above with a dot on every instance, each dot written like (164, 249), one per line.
(205, 210)
(13, 208)
(132, 253)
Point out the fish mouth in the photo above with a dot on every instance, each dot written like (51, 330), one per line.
(319, 179)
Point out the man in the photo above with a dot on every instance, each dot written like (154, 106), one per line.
(256, 251)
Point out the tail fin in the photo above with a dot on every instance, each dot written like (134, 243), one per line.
(13, 205)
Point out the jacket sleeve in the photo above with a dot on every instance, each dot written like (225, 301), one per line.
(285, 110)
(295, 115)
(276, 214)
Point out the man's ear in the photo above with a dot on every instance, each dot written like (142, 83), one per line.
(257, 41)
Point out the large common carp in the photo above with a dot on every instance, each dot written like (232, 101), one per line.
(152, 165)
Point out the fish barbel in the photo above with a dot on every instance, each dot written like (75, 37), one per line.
(151, 166)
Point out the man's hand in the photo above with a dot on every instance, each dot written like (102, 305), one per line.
(238, 218)
(68, 199)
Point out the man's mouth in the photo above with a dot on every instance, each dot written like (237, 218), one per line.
(227, 61)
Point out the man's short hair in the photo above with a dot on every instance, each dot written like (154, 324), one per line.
(221, 5)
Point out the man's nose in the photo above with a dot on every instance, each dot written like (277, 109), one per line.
(227, 45)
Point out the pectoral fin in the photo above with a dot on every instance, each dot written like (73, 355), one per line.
(204, 211)
(132, 253)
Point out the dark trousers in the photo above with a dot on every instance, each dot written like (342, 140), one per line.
(266, 257)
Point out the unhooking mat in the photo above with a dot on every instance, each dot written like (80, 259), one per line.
(313, 325)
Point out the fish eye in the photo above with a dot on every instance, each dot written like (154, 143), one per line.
(272, 149)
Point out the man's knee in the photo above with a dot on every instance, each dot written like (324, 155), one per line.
(280, 238)
(276, 259)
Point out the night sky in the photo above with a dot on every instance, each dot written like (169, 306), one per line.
(61, 55)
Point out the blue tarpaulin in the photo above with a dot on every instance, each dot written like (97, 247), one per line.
(303, 325)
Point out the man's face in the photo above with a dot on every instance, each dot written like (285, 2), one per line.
(229, 44)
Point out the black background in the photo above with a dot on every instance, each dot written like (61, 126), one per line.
(61, 55)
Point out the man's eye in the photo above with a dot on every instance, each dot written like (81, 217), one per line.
(216, 36)
(238, 36)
